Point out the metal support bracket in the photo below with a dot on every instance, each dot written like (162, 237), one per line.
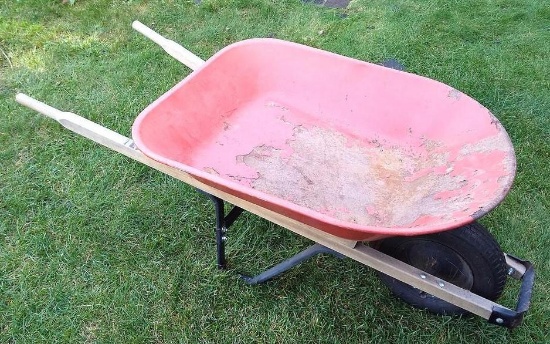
(524, 271)
(223, 222)
(291, 262)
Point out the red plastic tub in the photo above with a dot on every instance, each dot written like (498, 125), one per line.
(351, 148)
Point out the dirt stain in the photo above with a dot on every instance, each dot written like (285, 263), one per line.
(369, 183)
(455, 94)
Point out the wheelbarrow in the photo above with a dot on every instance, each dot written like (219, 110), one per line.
(385, 167)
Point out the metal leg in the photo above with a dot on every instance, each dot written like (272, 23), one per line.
(222, 224)
(290, 263)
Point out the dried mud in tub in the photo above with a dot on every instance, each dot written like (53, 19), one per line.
(365, 181)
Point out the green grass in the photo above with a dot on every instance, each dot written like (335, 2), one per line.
(97, 248)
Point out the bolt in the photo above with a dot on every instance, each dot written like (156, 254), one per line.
(441, 284)
(499, 320)
(423, 276)
(511, 271)
(224, 238)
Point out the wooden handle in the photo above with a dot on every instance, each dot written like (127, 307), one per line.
(38, 106)
(172, 48)
(81, 125)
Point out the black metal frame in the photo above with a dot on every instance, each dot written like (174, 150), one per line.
(289, 263)
(513, 318)
(499, 316)
(223, 222)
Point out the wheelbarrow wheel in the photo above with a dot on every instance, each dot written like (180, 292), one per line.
(468, 257)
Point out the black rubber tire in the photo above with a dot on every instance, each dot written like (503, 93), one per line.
(468, 257)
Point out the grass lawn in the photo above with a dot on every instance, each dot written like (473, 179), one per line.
(97, 248)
